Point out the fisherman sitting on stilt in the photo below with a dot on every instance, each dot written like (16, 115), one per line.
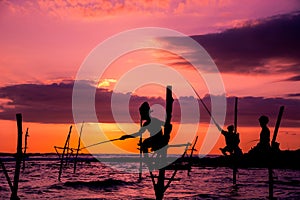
(154, 126)
(232, 140)
(263, 147)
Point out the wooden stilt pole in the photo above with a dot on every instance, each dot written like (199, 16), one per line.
(191, 155)
(67, 154)
(193, 147)
(14, 194)
(234, 175)
(234, 171)
(25, 149)
(274, 147)
(271, 183)
(141, 155)
(62, 156)
(141, 159)
(235, 114)
(273, 143)
(78, 148)
(6, 176)
(160, 186)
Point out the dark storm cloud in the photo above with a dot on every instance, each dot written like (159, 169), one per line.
(267, 46)
(251, 108)
(293, 95)
(293, 78)
(38, 103)
(53, 104)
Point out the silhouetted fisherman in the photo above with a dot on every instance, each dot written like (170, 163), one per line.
(154, 127)
(232, 140)
(264, 138)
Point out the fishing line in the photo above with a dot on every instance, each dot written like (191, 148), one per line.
(204, 105)
(99, 143)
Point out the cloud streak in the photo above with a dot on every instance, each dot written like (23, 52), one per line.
(268, 46)
(293, 78)
(52, 103)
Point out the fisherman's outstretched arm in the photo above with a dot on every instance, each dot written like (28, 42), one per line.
(133, 135)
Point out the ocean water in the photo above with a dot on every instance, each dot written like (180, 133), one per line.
(96, 180)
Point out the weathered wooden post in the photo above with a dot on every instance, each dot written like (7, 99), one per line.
(274, 148)
(273, 143)
(141, 155)
(160, 186)
(191, 155)
(271, 183)
(14, 194)
(63, 154)
(193, 147)
(25, 149)
(235, 132)
(235, 114)
(78, 148)
(6, 176)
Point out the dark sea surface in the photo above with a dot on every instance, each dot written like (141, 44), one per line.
(96, 180)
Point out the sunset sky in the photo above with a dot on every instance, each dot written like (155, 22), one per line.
(255, 45)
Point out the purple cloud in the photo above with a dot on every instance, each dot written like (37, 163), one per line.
(267, 46)
(53, 104)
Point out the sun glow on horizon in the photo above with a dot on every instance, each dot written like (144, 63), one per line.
(43, 137)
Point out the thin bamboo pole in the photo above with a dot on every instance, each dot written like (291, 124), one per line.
(141, 155)
(271, 183)
(274, 146)
(25, 149)
(67, 154)
(78, 148)
(273, 143)
(234, 171)
(160, 186)
(193, 147)
(6, 176)
(62, 156)
(235, 114)
(14, 194)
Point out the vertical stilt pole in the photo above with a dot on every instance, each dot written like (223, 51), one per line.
(193, 147)
(78, 148)
(160, 186)
(14, 194)
(141, 154)
(275, 146)
(25, 148)
(6, 176)
(234, 175)
(273, 143)
(191, 155)
(67, 148)
(63, 154)
(235, 131)
(271, 183)
(141, 157)
(235, 114)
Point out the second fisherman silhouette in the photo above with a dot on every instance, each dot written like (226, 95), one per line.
(153, 126)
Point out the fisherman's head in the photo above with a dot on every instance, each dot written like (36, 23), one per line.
(230, 128)
(263, 120)
(144, 110)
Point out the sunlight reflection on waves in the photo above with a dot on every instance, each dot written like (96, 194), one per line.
(97, 181)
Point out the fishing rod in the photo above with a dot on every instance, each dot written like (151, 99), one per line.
(206, 108)
(103, 142)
